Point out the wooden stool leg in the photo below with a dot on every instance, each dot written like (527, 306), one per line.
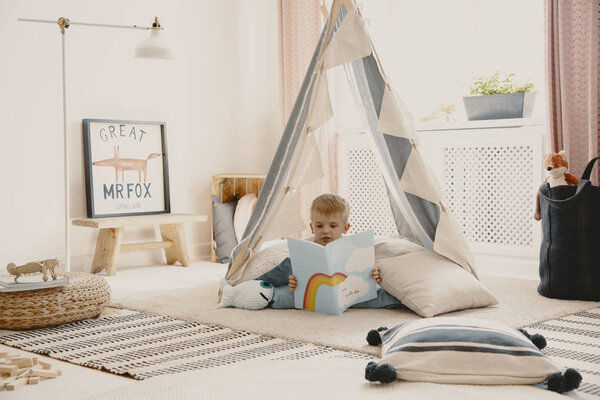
(107, 250)
(178, 251)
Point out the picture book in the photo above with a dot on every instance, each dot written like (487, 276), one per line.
(30, 282)
(331, 278)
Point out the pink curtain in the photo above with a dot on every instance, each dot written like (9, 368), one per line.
(300, 27)
(572, 44)
(301, 22)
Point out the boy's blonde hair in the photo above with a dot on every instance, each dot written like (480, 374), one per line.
(329, 204)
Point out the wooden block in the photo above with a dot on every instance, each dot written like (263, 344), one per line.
(44, 373)
(33, 380)
(24, 362)
(6, 380)
(23, 372)
(11, 369)
(16, 384)
(45, 365)
(3, 354)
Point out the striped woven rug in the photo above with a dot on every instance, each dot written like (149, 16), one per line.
(574, 341)
(144, 345)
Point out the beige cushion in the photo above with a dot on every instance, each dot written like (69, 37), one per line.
(265, 260)
(430, 284)
(393, 247)
(463, 350)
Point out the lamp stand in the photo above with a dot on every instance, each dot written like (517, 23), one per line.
(63, 23)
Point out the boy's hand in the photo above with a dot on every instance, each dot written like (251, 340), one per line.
(292, 283)
(376, 275)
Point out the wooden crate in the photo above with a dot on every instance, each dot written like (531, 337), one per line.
(225, 186)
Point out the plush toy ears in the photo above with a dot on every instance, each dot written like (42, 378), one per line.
(562, 153)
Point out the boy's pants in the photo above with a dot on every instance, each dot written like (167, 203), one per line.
(283, 298)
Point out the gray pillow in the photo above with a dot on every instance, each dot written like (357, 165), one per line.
(225, 239)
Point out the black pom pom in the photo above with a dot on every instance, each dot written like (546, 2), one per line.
(382, 328)
(560, 383)
(384, 373)
(373, 338)
(572, 379)
(538, 340)
(555, 382)
(370, 371)
(387, 373)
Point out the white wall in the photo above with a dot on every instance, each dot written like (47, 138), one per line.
(430, 48)
(220, 100)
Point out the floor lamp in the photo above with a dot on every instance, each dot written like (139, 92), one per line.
(152, 47)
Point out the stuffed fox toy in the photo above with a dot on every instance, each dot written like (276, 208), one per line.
(556, 167)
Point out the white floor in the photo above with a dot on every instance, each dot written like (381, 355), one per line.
(78, 382)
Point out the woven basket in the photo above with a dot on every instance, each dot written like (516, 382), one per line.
(85, 296)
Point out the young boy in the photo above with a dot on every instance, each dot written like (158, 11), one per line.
(329, 214)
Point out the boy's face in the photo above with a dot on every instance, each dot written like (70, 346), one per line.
(327, 228)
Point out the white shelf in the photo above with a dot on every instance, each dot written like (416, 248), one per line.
(479, 124)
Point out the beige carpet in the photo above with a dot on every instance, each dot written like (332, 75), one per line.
(190, 293)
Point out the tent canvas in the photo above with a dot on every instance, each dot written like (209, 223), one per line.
(414, 195)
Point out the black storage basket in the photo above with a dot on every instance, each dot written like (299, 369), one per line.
(570, 250)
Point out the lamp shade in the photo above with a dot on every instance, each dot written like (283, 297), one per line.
(154, 47)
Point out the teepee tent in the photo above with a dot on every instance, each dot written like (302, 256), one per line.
(414, 196)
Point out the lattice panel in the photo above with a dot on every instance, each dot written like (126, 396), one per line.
(488, 189)
(369, 204)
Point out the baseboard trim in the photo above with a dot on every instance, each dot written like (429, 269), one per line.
(509, 266)
(198, 251)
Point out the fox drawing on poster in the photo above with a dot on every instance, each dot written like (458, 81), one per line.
(127, 164)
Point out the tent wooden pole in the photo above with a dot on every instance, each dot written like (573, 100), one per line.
(333, 16)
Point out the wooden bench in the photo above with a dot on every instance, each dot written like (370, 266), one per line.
(111, 231)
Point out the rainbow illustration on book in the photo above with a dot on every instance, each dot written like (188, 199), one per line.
(334, 277)
(315, 281)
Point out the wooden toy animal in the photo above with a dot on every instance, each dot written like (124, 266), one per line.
(34, 266)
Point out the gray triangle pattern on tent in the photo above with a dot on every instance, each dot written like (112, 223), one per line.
(400, 149)
(427, 213)
(375, 81)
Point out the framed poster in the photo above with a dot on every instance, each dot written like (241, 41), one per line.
(126, 168)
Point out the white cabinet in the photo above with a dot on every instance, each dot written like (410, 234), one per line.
(490, 172)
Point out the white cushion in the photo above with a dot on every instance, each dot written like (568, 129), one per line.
(463, 350)
(265, 260)
(430, 284)
(243, 210)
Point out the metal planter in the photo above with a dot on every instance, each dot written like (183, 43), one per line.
(499, 106)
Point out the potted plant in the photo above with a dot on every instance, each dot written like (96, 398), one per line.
(497, 96)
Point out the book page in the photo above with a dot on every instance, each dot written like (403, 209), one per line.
(309, 266)
(334, 277)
